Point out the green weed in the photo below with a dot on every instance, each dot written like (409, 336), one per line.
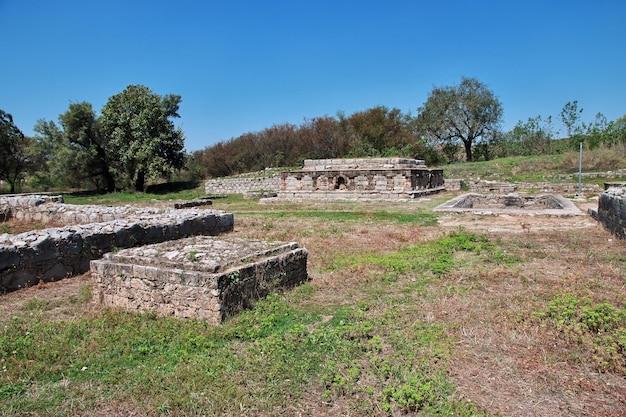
(259, 361)
(601, 327)
(422, 218)
(436, 257)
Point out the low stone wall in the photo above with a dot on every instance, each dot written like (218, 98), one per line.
(55, 253)
(454, 184)
(611, 212)
(483, 186)
(511, 204)
(241, 185)
(199, 277)
(15, 204)
(618, 173)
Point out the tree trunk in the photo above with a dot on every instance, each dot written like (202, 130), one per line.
(106, 172)
(468, 149)
(140, 180)
(110, 181)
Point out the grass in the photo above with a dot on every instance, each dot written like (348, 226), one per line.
(363, 337)
(402, 317)
(120, 198)
(269, 358)
(549, 168)
(260, 361)
(601, 326)
(426, 219)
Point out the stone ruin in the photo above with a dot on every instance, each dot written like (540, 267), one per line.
(55, 253)
(162, 259)
(511, 203)
(611, 212)
(200, 277)
(360, 179)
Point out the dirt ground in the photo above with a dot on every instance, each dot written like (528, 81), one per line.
(503, 362)
(514, 369)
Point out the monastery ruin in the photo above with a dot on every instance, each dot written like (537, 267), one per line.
(360, 179)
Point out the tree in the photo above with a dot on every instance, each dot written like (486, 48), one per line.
(75, 151)
(533, 137)
(140, 137)
(50, 166)
(321, 138)
(14, 161)
(378, 130)
(570, 116)
(617, 131)
(89, 158)
(466, 112)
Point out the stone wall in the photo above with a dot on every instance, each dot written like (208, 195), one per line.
(483, 186)
(611, 212)
(359, 179)
(209, 278)
(55, 253)
(12, 204)
(241, 185)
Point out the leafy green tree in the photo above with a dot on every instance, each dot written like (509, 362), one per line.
(49, 164)
(85, 148)
(532, 137)
(617, 131)
(467, 112)
(376, 131)
(74, 152)
(14, 160)
(141, 138)
(570, 116)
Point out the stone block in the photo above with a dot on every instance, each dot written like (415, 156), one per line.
(201, 277)
(10, 257)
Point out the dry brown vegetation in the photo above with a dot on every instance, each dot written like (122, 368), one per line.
(505, 360)
(506, 357)
(14, 226)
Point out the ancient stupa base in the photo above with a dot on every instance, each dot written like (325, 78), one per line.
(360, 179)
(202, 277)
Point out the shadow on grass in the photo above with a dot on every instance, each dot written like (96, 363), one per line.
(163, 188)
(172, 187)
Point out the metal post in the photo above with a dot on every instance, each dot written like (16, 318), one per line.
(580, 172)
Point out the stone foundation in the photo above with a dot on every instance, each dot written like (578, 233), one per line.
(483, 186)
(512, 204)
(243, 185)
(611, 212)
(200, 277)
(55, 253)
(360, 179)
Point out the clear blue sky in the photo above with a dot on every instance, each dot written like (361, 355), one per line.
(242, 66)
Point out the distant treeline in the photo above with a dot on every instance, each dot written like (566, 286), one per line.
(374, 132)
(133, 142)
(385, 132)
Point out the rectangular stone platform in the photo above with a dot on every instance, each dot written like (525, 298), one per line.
(203, 277)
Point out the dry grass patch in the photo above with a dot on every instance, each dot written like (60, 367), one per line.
(401, 318)
(512, 360)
